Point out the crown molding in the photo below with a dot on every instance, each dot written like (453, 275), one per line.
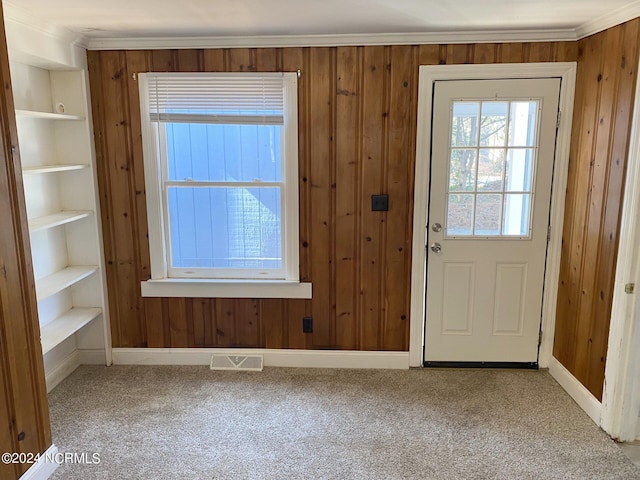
(274, 41)
(18, 15)
(611, 19)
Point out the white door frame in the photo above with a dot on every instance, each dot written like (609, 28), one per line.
(428, 75)
(621, 396)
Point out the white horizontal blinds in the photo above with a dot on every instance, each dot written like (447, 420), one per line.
(222, 98)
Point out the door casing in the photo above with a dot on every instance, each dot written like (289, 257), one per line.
(427, 77)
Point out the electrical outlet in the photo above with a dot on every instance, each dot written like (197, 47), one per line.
(307, 325)
(380, 203)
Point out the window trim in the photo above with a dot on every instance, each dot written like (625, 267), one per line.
(290, 210)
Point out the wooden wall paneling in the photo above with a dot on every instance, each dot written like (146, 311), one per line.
(210, 326)
(511, 53)
(25, 415)
(294, 59)
(295, 310)
(154, 322)
(321, 175)
(429, 54)
(566, 52)
(607, 65)
(138, 61)
(348, 144)
(565, 282)
(620, 112)
(267, 60)
(458, 53)
(374, 134)
(273, 320)
(607, 80)
(240, 60)
(580, 170)
(199, 318)
(225, 323)
(164, 323)
(542, 52)
(400, 160)
(163, 60)
(190, 60)
(177, 312)
(28, 424)
(213, 60)
(484, 53)
(96, 72)
(7, 438)
(117, 159)
(247, 320)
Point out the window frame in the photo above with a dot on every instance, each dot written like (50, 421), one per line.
(157, 195)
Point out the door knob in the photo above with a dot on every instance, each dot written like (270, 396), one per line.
(436, 247)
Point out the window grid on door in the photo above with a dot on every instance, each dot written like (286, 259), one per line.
(492, 160)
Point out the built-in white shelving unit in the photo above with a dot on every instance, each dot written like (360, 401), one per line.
(67, 324)
(53, 114)
(38, 169)
(57, 219)
(62, 279)
(47, 115)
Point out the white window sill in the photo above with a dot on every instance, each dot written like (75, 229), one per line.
(210, 288)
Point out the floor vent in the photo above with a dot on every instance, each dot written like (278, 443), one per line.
(252, 363)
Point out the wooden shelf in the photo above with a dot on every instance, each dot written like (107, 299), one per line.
(58, 281)
(57, 219)
(65, 325)
(52, 168)
(47, 115)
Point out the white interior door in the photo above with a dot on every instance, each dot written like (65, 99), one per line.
(493, 146)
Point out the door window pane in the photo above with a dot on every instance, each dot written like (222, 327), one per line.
(464, 124)
(522, 124)
(491, 168)
(462, 170)
(519, 170)
(493, 126)
(488, 210)
(460, 215)
(517, 214)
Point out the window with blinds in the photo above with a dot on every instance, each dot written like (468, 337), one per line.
(221, 173)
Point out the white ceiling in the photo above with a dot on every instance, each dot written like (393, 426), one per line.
(241, 18)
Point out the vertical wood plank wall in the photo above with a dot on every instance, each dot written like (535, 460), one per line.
(357, 129)
(607, 70)
(24, 412)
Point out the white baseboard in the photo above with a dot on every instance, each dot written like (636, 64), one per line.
(44, 467)
(92, 357)
(62, 370)
(583, 397)
(272, 357)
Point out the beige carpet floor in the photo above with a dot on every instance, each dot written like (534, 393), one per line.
(193, 423)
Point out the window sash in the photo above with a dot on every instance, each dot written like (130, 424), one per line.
(222, 272)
